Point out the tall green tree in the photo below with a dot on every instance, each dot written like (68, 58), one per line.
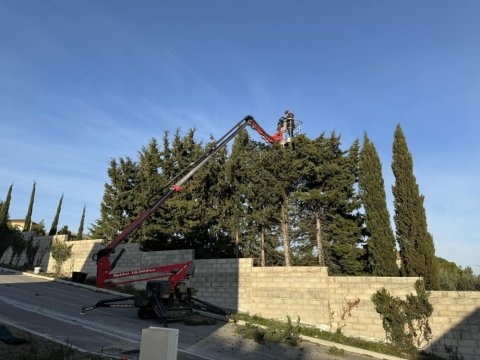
(235, 215)
(308, 198)
(281, 163)
(53, 228)
(417, 250)
(80, 227)
(28, 218)
(5, 208)
(345, 223)
(329, 223)
(381, 250)
(151, 185)
(259, 197)
(210, 203)
(119, 206)
(183, 208)
(159, 235)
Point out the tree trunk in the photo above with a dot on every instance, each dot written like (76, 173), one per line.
(318, 226)
(262, 248)
(284, 226)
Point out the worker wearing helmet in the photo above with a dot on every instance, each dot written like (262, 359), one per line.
(289, 123)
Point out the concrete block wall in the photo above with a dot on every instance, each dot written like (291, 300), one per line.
(294, 291)
(81, 259)
(350, 306)
(345, 302)
(455, 324)
(220, 281)
(42, 255)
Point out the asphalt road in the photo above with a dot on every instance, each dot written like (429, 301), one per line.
(53, 309)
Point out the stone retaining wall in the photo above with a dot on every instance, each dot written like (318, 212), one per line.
(327, 302)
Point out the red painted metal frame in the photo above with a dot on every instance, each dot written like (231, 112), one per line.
(174, 272)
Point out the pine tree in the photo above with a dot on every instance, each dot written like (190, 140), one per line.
(119, 205)
(310, 198)
(381, 251)
(344, 224)
(345, 227)
(80, 227)
(161, 234)
(5, 208)
(280, 162)
(183, 208)
(329, 224)
(150, 187)
(211, 199)
(417, 250)
(251, 205)
(28, 217)
(167, 165)
(53, 228)
(239, 189)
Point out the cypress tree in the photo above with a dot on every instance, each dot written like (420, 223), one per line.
(417, 250)
(80, 228)
(381, 252)
(5, 208)
(53, 228)
(28, 217)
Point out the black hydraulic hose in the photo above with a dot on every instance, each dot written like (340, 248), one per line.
(114, 262)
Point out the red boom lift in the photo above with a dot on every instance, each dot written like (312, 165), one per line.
(171, 298)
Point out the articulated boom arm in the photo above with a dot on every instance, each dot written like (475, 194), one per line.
(175, 272)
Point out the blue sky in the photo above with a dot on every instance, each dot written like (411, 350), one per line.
(83, 82)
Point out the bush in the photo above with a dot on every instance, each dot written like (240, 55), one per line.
(61, 252)
(405, 321)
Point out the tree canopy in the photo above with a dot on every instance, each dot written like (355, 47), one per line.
(308, 204)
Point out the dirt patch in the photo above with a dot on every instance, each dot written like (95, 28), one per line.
(38, 348)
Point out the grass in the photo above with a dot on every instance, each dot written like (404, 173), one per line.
(336, 351)
(276, 326)
(287, 334)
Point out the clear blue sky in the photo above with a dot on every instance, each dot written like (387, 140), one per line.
(82, 82)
